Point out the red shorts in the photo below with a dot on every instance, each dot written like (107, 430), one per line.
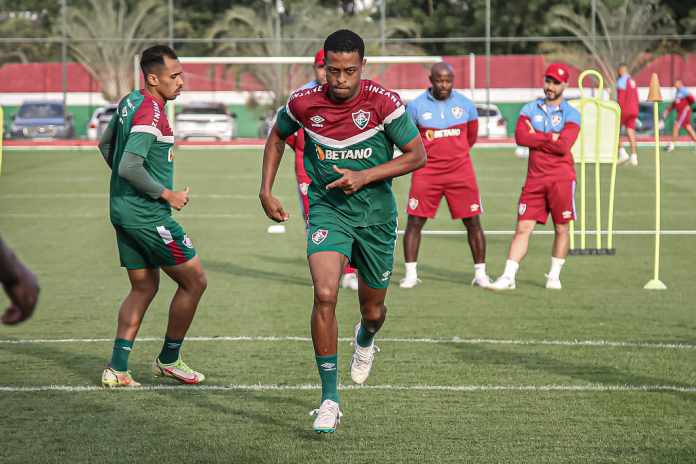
(427, 189)
(629, 120)
(539, 198)
(684, 118)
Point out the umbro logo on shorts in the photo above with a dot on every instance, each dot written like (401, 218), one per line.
(567, 214)
(474, 207)
(385, 276)
(319, 236)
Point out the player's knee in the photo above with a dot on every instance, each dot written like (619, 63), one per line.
(524, 229)
(325, 297)
(561, 229)
(200, 282)
(146, 288)
(373, 312)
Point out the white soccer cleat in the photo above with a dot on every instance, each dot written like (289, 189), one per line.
(623, 156)
(553, 283)
(409, 282)
(502, 283)
(362, 359)
(350, 280)
(670, 147)
(482, 281)
(328, 417)
(634, 160)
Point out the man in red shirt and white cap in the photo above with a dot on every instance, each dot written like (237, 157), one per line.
(549, 127)
(296, 142)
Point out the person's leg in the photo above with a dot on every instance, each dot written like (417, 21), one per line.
(412, 239)
(690, 130)
(561, 204)
(325, 267)
(675, 132)
(144, 285)
(631, 131)
(476, 238)
(192, 282)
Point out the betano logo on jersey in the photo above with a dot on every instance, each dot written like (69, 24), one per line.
(336, 155)
(432, 134)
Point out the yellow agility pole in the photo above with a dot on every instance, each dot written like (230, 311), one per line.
(655, 96)
(2, 126)
(598, 142)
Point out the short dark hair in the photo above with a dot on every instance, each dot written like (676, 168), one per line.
(153, 57)
(344, 40)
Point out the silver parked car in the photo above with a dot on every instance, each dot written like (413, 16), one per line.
(205, 120)
(497, 125)
(99, 120)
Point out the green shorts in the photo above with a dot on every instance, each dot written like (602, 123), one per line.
(370, 249)
(153, 246)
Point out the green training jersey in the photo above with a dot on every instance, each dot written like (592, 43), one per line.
(356, 135)
(140, 127)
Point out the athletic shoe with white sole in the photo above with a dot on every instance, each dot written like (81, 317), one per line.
(670, 147)
(634, 160)
(350, 280)
(178, 371)
(553, 283)
(114, 379)
(328, 417)
(623, 156)
(362, 359)
(409, 282)
(482, 281)
(502, 283)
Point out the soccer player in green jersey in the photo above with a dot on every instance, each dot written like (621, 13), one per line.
(137, 145)
(351, 126)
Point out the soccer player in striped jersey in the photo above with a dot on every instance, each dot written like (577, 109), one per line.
(351, 126)
(683, 101)
(138, 147)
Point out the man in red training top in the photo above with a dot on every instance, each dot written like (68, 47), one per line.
(297, 142)
(683, 101)
(549, 127)
(627, 96)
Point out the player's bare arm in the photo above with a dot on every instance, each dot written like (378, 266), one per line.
(272, 154)
(414, 157)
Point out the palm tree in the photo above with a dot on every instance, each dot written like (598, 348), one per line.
(286, 34)
(111, 61)
(619, 22)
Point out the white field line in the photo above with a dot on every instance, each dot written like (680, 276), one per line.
(453, 340)
(551, 232)
(106, 217)
(587, 388)
(85, 196)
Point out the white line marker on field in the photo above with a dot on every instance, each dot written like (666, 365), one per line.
(302, 387)
(453, 340)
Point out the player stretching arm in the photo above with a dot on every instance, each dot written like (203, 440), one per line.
(351, 127)
(138, 147)
(549, 127)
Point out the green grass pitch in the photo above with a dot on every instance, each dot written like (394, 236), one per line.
(489, 391)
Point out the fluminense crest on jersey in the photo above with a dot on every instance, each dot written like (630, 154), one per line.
(319, 236)
(361, 119)
(457, 112)
(556, 120)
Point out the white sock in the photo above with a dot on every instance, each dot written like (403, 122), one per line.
(556, 265)
(411, 270)
(480, 270)
(511, 269)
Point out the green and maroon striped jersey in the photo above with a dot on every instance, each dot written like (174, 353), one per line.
(141, 128)
(358, 134)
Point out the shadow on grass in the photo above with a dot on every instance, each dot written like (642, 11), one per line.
(255, 273)
(588, 372)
